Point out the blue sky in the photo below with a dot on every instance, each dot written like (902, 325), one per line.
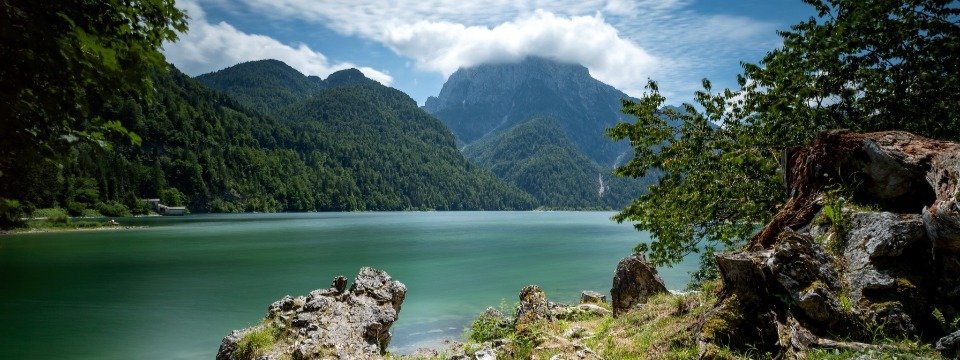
(413, 45)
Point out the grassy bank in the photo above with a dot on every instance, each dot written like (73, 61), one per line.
(58, 220)
(664, 328)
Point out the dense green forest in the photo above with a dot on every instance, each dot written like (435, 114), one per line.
(266, 85)
(538, 157)
(355, 146)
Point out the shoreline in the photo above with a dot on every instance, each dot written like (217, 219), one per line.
(45, 230)
(109, 227)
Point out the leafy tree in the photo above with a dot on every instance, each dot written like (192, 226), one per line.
(62, 61)
(862, 65)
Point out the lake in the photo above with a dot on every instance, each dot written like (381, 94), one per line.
(175, 289)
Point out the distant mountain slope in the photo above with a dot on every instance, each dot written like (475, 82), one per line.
(264, 85)
(355, 146)
(539, 158)
(269, 86)
(479, 101)
(399, 156)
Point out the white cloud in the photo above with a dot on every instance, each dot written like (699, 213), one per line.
(622, 42)
(208, 47)
(588, 40)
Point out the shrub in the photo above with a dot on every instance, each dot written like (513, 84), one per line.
(257, 342)
(91, 213)
(136, 205)
(221, 206)
(59, 219)
(488, 327)
(75, 208)
(172, 197)
(11, 214)
(48, 212)
(834, 214)
(113, 208)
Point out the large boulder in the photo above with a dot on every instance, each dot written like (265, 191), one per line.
(634, 282)
(533, 308)
(889, 269)
(887, 256)
(774, 295)
(327, 323)
(592, 297)
(949, 345)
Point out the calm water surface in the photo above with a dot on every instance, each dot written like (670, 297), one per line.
(172, 291)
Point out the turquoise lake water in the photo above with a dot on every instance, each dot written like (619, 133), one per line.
(173, 290)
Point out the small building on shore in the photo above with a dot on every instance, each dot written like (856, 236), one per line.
(171, 210)
(162, 209)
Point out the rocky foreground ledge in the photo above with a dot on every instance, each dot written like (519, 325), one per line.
(333, 323)
(337, 323)
(862, 262)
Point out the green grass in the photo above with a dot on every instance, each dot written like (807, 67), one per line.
(258, 342)
(900, 350)
(664, 328)
(56, 218)
(839, 220)
(49, 213)
(659, 330)
(63, 223)
(488, 327)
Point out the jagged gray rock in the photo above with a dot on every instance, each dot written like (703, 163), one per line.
(884, 234)
(592, 297)
(949, 345)
(485, 354)
(533, 307)
(634, 282)
(797, 271)
(942, 218)
(889, 262)
(328, 323)
(806, 272)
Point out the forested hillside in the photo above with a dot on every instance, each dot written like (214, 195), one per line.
(363, 147)
(397, 154)
(265, 85)
(539, 158)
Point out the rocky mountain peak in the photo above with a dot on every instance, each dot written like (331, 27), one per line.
(482, 100)
(347, 77)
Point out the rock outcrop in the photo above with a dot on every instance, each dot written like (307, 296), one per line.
(533, 308)
(949, 345)
(534, 327)
(633, 283)
(868, 243)
(592, 297)
(327, 323)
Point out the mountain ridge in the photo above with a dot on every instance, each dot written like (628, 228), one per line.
(357, 145)
(269, 85)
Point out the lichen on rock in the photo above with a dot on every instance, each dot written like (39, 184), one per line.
(327, 323)
(895, 261)
(634, 282)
